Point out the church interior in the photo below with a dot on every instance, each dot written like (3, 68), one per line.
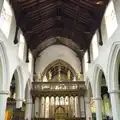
(59, 59)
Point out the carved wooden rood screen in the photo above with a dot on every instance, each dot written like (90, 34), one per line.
(58, 100)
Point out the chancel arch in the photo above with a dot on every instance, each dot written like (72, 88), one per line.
(49, 55)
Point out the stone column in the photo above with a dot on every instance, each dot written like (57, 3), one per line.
(42, 107)
(50, 108)
(88, 109)
(74, 106)
(82, 106)
(45, 107)
(79, 108)
(54, 105)
(98, 103)
(40, 104)
(115, 102)
(37, 107)
(28, 111)
(69, 106)
(19, 102)
(1, 5)
(33, 108)
(3, 101)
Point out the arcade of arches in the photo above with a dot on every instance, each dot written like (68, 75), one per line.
(59, 60)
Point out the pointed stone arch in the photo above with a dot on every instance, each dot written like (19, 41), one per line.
(98, 71)
(59, 61)
(112, 68)
(4, 68)
(19, 83)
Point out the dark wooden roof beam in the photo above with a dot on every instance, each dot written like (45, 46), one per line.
(84, 5)
(84, 21)
(25, 2)
(38, 30)
(42, 26)
(43, 9)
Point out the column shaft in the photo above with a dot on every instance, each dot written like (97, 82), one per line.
(82, 106)
(37, 107)
(53, 108)
(33, 108)
(19, 103)
(74, 107)
(115, 102)
(79, 106)
(3, 101)
(40, 104)
(98, 104)
(28, 111)
(88, 109)
(1, 5)
(45, 107)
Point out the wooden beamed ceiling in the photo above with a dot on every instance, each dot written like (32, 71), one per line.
(72, 19)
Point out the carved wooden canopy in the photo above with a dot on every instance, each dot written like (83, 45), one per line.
(76, 20)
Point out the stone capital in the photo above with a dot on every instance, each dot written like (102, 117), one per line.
(4, 92)
(19, 99)
(97, 98)
(28, 102)
(114, 92)
(87, 101)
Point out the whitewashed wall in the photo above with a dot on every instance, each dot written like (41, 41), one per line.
(9, 54)
(55, 52)
(103, 59)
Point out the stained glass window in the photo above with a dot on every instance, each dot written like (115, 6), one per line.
(66, 100)
(57, 101)
(61, 101)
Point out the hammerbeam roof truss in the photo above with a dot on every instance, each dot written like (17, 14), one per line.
(43, 19)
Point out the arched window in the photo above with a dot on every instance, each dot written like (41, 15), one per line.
(30, 62)
(110, 19)
(6, 18)
(95, 46)
(66, 100)
(57, 101)
(61, 101)
(86, 61)
(21, 47)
